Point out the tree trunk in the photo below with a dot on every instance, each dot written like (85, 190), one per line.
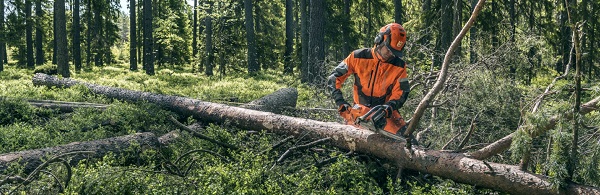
(457, 25)
(316, 43)
(29, 35)
(132, 37)
(33, 158)
(565, 38)
(209, 47)
(445, 35)
(250, 38)
(592, 41)
(194, 32)
(76, 36)
(473, 37)
(346, 29)
(148, 41)
(304, 40)
(88, 53)
(62, 58)
(398, 11)
(455, 166)
(65, 106)
(39, 50)
(1, 36)
(289, 37)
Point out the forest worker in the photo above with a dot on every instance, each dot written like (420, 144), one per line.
(380, 81)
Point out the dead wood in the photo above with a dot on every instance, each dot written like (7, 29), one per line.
(301, 147)
(200, 135)
(31, 159)
(455, 166)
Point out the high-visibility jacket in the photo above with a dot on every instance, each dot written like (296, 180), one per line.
(375, 82)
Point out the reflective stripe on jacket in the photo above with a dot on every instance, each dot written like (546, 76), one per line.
(375, 82)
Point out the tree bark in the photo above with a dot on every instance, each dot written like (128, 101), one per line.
(65, 106)
(29, 35)
(88, 42)
(148, 41)
(132, 37)
(2, 36)
(39, 50)
(473, 38)
(209, 47)
(304, 39)
(62, 58)
(117, 145)
(289, 37)
(316, 43)
(455, 166)
(253, 65)
(398, 11)
(76, 36)
(194, 31)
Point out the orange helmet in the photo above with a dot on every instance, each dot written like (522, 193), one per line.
(393, 36)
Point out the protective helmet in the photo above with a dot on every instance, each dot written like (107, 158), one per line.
(392, 36)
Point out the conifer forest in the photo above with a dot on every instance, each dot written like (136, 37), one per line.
(245, 97)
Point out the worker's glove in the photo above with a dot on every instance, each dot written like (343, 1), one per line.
(383, 111)
(343, 106)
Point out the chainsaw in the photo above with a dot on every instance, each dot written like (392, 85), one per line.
(375, 122)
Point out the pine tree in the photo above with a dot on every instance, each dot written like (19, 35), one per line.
(39, 50)
(62, 58)
(76, 36)
(148, 41)
(132, 37)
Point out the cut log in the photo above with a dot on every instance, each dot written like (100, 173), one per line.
(33, 158)
(455, 166)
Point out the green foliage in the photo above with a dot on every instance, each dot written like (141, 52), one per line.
(48, 68)
(590, 167)
(521, 144)
(559, 158)
(12, 111)
(493, 99)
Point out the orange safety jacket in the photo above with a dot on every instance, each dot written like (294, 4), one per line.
(375, 82)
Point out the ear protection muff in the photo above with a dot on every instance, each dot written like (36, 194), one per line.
(381, 35)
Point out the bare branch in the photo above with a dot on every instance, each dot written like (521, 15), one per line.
(471, 129)
(300, 147)
(277, 144)
(200, 135)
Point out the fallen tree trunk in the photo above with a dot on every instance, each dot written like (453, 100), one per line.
(31, 159)
(455, 166)
(504, 143)
(65, 106)
(61, 105)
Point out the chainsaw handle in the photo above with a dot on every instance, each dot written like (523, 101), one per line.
(363, 117)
